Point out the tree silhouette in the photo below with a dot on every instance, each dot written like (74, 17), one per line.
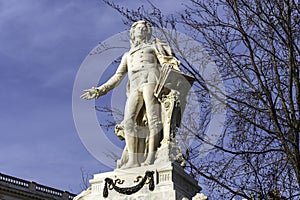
(255, 44)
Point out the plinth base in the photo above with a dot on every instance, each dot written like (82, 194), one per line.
(171, 183)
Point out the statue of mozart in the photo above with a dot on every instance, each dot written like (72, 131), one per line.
(142, 127)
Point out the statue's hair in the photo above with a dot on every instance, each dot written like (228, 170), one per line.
(132, 29)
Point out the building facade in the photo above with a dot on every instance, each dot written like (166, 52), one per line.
(12, 188)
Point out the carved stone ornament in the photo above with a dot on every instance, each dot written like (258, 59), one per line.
(110, 184)
(200, 196)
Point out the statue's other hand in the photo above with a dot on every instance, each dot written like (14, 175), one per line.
(90, 93)
(94, 93)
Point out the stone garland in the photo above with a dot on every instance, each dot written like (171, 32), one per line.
(110, 184)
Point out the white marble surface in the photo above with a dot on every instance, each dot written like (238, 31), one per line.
(171, 183)
(143, 64)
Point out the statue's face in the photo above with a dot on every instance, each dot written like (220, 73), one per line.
(140, 31)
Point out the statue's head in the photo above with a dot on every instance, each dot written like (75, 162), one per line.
(140, 31)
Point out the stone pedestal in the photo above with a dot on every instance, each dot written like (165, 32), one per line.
(171, 183)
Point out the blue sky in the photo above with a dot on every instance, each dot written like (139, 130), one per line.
(43, 43)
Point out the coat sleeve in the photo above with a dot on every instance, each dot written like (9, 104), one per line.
(116, 79)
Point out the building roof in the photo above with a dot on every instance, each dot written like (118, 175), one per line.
(16, 188)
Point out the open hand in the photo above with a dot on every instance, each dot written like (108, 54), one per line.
(90, 93)
(94, 93)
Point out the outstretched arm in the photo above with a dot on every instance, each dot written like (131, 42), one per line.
(114, 81)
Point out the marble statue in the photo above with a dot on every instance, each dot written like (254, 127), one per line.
(142, 127)
(200, 196)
